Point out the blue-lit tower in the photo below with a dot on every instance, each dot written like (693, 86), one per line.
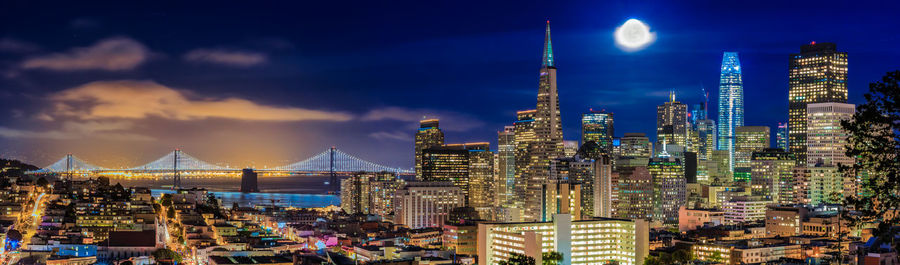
(731, 103)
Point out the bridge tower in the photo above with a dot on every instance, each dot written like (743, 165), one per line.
(335, 184)
(176, 178)
(68, 175)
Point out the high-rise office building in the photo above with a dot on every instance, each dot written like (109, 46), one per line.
(672, 123)
(561, 197)
(706, 139)
(528, 184)
(548, 142)
(591, 174)
(597, 126)
(772, 175)
(731, 103)
(818, 74)
(825, 138)
(506, 167)
(781, 137)
(635, 199)
(421, 204)
(469, 166)
(669, 188)
(633, 145)
(369, 193)
(429, 135)
(482, 184)
(749, 139)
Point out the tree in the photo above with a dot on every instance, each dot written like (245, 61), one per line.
(166, 200)
(873, 142)
(518, 259)
(682, 256)
(43, 182)
(170, 212)
(166, 254)
(551, 258)
(652, 260)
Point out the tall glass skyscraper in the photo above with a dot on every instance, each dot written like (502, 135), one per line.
(731, 103)
(781, 137)
(818, 74)
(548, 143)
(598, 126)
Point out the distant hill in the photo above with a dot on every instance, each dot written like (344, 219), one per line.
(14, 168)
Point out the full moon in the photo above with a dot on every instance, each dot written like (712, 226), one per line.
(634, 35)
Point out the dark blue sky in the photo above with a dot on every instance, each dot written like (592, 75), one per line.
(121, 83)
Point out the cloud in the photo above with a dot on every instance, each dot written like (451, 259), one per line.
(112, 54)
(398, 136)
(74, 130)
(451, 121)
(226, 57)
(16, 46)
(131, 99)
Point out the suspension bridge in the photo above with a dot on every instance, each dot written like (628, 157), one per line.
(332, 162)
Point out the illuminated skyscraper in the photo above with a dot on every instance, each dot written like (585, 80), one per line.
(825, 138)
(429, 135)
(561, 197)
(633, 148)
(669, 188)
(506, 167)
(781, 137)
(818, 74)
(772, 175)
(635, 199)
(469, 166)
(672, 123)
(528, 186)
(749, 139)
(369, 193)
(598, 126)
(731, 103)
(547, 128)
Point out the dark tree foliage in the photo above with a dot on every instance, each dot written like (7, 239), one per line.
(518, 259)
(873, 142)
(551, 258)
(43, 182)
(166, 255)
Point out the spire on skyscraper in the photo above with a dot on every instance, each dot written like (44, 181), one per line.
(547, 60)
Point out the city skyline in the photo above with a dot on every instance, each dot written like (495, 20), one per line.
(37, 81)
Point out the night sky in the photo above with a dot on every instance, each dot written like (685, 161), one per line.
(263, 83)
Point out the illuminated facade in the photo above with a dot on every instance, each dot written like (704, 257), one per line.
(528, 185)
(772, 172)
(748, 139)
(561, 197)
(743, 209)
(421, 204)
(598, 126)
(669, 188)
(633, 145)
(825, 138)
(469, 166)
(429, 135)
(781, 137)
(369, 193)
(548, 142)
(592, 175)
(731, 103)
(672, 123)
(593, 241)
(635, 199)
(506, 167)
(817, 74)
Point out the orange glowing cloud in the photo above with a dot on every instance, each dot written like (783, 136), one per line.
(113, 54)
(132, 99)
